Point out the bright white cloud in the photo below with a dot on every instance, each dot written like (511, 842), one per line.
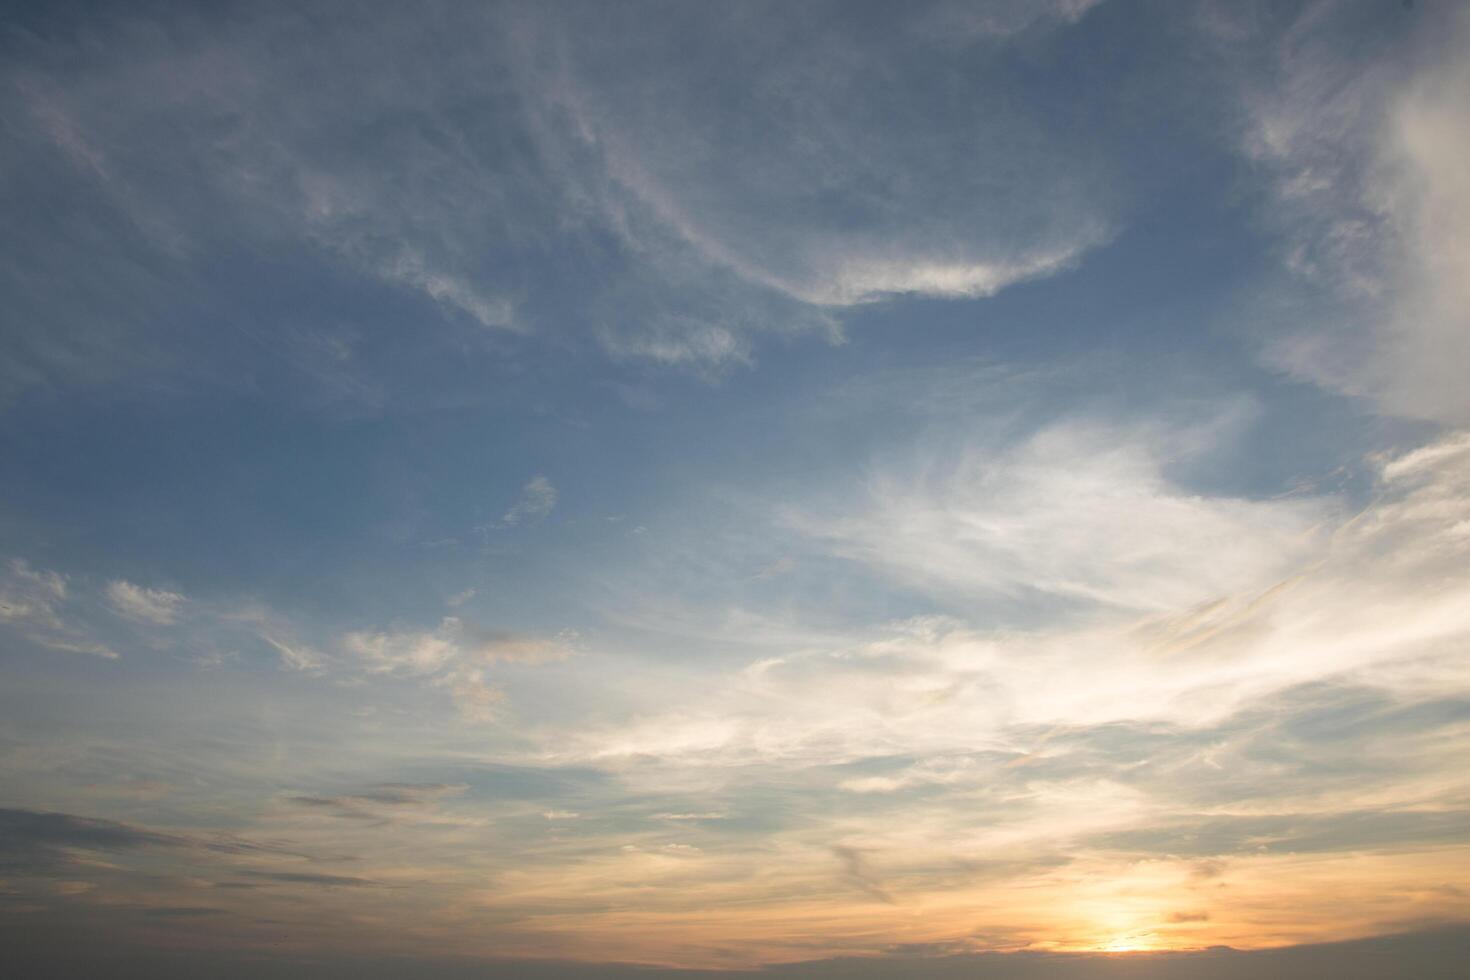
(1083, 512)
(863, 280)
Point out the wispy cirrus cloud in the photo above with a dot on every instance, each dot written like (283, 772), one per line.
(536, 502)
(724, 237)
(144, 604)
(1078, 511)
(831, 210)
(1232, 600)
(31, 601)
(456, 655)
(1371, 201)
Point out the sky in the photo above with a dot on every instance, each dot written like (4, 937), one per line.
(794, 489)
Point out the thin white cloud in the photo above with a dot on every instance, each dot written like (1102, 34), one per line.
(953, 23)
(413, 652)
(31, 596)
(428, 651)
(275, 631)
(453, 292)
(536, 502)
(143, 604)
(31, 601)
(295, 655)
(456, 655)
(833, 210)
(1373, 202)
(680, 341)
(724, 236)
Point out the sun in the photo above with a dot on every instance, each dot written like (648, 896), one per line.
(1137, 943)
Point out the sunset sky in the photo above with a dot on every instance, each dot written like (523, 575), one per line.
(821, 489)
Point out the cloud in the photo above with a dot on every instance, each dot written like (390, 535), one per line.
(1290, 594)
(31, 602)
(1373, 205)
(860, 876)
(709, 815)
(455, 656)
(1079, 511)
(957, 23)
(47, 843)
(681, 341)
(269, 145)
(308, 878)
(144, 604)
(30, 596)
(426, 652)
(296, 656)
(276, 632)
(510, 173)
(418, 653)
(21, 830)
(380, 802)
(825, 207)
(450, 291)
(536, 502)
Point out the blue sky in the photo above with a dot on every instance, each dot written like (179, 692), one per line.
(728, 485)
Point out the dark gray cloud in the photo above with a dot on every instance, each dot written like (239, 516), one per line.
(37, 842)
(308, 878)
(371, 804)
(24, 829)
